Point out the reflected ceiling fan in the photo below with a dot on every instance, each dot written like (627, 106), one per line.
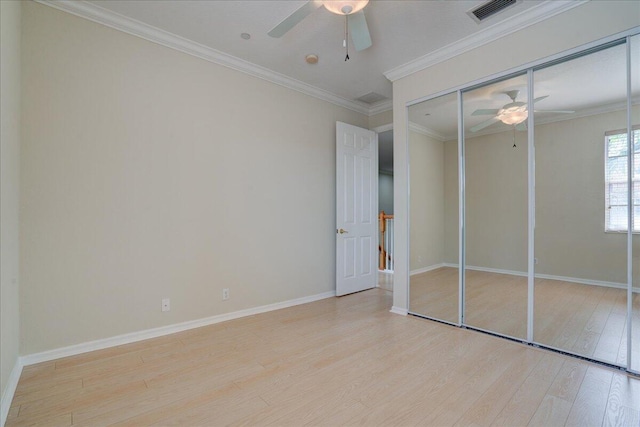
(514, 113)
(351, 9)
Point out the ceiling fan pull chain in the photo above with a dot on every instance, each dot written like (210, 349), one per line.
(514, 136)
(346, 36)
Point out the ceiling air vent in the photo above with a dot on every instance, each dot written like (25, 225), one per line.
(490, 8)
(371, 98)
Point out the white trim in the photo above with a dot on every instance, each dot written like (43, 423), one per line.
(426, 269)
(381, 107)
(164, 330)
(426, 131)
(10, 391)
(531, 206)
(398, 310)
(461, 211)
(518, 22)
(383, 128)
(137, 28)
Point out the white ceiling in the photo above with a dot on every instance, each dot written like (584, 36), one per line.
(405, 34)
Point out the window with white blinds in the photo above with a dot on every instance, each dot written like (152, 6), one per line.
(616, 158)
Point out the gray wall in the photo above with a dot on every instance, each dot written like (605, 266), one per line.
(10, 27)
(385, 193)
(570, 238)
(149, 174)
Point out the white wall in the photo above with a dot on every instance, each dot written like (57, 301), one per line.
(583, 24)
(148, 174)
(381, 119)
(427, 201)
(385, 193)
(10, 28)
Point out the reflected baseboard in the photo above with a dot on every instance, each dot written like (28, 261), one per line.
(429, 268)
(524, 274)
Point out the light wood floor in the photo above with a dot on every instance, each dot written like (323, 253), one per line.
(385, 280)
(339, 361)
(583, 319)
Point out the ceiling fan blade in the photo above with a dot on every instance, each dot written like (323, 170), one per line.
(359, 30)
(292, 20)
(521, 126)
(554, 111)
(485, 112)
(540, 98)
(484, 124)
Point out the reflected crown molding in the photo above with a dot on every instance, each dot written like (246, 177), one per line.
(524, 19)
(600, 109)
(426, 131)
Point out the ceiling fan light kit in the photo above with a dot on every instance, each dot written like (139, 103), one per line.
(344, 7)
(513, 115)
(350, 9)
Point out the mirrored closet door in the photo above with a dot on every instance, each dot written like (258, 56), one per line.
(581, 205)
(528, 226)
(495, 150)
(433, 150)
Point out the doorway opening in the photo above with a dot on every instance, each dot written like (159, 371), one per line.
(386, 257)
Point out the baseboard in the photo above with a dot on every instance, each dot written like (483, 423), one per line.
(10, 391)
(537, 276)
(398, 310)
(497, 270)
(426, 269)
(164, 330)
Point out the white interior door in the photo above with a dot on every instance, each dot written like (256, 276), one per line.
(356, 208)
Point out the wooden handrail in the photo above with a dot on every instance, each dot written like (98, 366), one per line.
(382, 217)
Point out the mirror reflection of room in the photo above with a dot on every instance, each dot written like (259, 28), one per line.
(496, 206)
(581, 207)
(433, 151)
(578, 201)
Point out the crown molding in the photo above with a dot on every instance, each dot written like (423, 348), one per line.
(381, 107)
(136, 28)
(522, 20)
(383, 128)
(426, 131)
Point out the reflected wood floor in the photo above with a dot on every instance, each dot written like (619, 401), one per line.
(584, 319)
(339, 361)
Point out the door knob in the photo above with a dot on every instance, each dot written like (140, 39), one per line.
(342, 231)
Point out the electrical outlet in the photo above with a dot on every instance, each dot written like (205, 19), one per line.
(225, 294)
(166, 304)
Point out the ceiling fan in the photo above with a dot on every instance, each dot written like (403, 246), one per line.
(514, 113)
(352, 9)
